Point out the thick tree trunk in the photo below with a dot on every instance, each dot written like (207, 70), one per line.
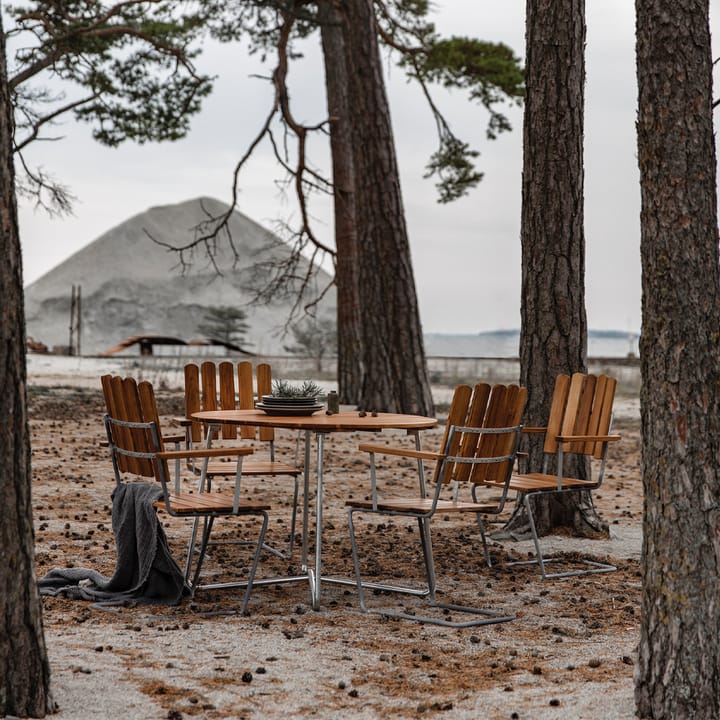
(349, 359)
(678, 674)
(24, 669)
(553, 337)
(392, 352)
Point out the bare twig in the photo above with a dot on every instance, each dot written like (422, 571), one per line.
(33, 135)
(60, 199)
(294, 273)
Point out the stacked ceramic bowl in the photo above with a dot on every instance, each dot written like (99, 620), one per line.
(277, 405)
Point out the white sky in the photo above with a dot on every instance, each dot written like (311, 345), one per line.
(466, 255)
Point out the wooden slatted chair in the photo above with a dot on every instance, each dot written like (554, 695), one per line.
(479, 444)
(136, 449)
(213, 387)
(579, 423)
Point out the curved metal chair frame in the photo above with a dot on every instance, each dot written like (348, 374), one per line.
(212, 386)
(579, 422)
(480, 443)
(137, 449)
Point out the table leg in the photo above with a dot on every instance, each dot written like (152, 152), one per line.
(306, 502)
(318, 523)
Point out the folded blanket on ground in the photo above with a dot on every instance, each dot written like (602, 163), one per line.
(145, 571)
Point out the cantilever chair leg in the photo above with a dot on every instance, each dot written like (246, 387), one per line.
(426, 542)
(256, 560)
(593, 566)
(487, 617)
(483, 537)
(293, 519)
(205, 537)
(207, 529)
(282, 554)
(191, 548)
(379, 586)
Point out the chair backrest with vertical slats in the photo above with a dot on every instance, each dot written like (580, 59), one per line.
(212, 387)
(505, 410)
(499, 406)
(128, 401)
(581, 405)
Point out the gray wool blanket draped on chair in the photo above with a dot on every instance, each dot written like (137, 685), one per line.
(145, 570)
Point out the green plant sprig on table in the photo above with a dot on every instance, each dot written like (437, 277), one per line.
(283, 388)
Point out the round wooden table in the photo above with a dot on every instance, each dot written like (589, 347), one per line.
(319, 424)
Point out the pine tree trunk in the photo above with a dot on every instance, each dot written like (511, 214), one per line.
(24, 669)
(349, 360)
(678, 674)
(553, 337)
(392, 352)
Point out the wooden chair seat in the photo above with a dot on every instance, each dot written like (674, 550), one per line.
(252, 468)
(537, 482)
(424, 505)
(220, 503)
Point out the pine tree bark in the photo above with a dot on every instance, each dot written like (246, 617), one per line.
(395, 372)
(349, 359)
(553, 336)
(678, 673)
(24, 669)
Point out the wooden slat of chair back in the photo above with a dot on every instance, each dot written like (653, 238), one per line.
(226, 378)
(577, 409)
(557, 413)
(585, 408)
(264, 387)
(495, 414)
(148, 408)
(457, 415)
(505, 410)
(208, 384)
(192, 399)
(246, 396)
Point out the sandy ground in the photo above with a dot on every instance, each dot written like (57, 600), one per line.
(569, 652)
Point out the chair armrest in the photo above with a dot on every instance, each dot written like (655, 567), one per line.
(400, 452)
(588, 438)
(528, 429)
(204, 453)
(182, 421)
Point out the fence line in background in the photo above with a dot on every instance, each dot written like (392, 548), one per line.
(165, 370)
